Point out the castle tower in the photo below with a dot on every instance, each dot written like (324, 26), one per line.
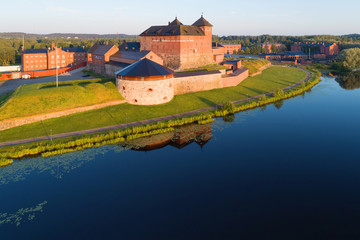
(206, 27)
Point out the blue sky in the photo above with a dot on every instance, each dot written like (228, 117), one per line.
(231, 17)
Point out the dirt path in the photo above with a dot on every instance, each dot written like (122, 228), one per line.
(115, 127)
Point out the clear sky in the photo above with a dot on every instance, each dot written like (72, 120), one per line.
(231, 17)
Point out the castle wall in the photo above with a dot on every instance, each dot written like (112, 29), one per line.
(110, 70)
(197, 83)
(181, 52)
(146, 92)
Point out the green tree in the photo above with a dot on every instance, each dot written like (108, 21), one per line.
(350, 58)
(247, 50)
(274, 48)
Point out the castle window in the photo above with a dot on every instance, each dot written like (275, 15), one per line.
(123, 88)
(150, 90)
(135, 101)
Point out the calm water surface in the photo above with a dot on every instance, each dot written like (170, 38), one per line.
(290, 171)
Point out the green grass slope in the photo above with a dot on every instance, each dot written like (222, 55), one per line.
(271, 79)
(41, 98)
(254, 65)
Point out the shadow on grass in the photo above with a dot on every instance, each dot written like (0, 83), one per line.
(207, 101)
(54, 86)
(257, 91)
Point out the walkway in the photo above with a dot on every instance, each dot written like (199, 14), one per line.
(11, 85)
(116, 127)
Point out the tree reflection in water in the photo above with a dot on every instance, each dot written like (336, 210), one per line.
(350, 81)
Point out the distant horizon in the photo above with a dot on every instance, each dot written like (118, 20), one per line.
(86, 33)
(231, 18)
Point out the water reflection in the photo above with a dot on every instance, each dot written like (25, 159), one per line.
(180, 138)
(350, 82)
(61, 165)
(21, 215)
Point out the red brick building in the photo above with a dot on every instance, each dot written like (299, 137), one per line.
(45, 59)
(268, 46)
(329, 49)
(230, 48)
(180, 46)
(98, 56)
(218, 52)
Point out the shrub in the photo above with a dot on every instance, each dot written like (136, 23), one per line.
(229, 107)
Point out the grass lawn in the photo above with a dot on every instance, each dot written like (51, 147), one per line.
(4, 98)
(211, 67)
(40, 98)
(271, 79)
(254, 64)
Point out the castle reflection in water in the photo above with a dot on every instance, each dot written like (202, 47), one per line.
(180, 138)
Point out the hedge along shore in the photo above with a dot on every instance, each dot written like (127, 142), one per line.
(127, 134)
(198, 111)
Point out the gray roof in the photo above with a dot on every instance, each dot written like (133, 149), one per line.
(134, 55)
(44, 50)
(173, 30)
(98, 49)
(33, 51)
(130, 46)
(202, 22)
(144, 68)
(294, 53)
(77, 50)
(176, 22)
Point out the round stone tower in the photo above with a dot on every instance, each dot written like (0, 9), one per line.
(146, 83)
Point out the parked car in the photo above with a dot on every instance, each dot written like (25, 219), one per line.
(26, 76)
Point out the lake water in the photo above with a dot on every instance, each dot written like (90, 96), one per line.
(290, 171)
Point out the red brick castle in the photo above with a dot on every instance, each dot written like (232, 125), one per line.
(180, 46)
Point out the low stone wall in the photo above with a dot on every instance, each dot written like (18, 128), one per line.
(204, 81)
(236, 78)
(197, 82)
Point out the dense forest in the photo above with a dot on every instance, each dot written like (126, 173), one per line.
(11, 43)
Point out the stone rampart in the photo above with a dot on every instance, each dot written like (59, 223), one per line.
(197, 82)
(146, 92)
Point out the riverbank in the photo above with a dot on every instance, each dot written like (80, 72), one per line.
(271, 79)
(241, 102)
(163, 126)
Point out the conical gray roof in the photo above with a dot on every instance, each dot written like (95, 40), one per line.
(202, 22)
(176, 22)
(144, 68)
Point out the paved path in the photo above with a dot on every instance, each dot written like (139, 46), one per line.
(115, 127)
(11, 85)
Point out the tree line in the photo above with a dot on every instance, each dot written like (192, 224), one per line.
(10, 49)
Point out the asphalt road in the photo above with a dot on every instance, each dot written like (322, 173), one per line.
(11, 85)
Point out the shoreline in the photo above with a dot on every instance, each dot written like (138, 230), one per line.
(138, 123)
